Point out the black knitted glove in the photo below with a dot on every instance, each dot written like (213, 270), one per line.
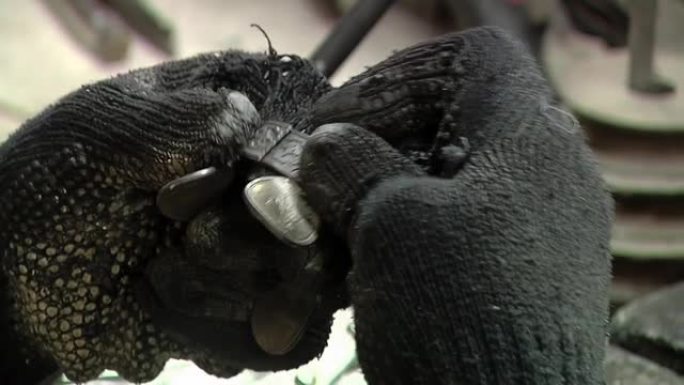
(79, 225)
(490, 263)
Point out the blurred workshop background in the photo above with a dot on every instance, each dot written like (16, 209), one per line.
(617, 64)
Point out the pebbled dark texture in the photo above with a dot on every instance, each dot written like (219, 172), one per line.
(18, 363)
(79, 226)
(488, 265)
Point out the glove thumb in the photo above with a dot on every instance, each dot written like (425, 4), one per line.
(340, 163)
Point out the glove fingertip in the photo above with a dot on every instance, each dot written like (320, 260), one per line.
(326, 143)
(330, 128)
(342, 132)
(340, 163)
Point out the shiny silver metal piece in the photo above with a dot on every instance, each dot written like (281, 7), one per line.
(278, 203)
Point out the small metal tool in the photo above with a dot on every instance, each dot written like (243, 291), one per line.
(277, 201)
(280, 317)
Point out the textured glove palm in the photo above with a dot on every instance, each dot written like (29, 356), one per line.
(79, 225)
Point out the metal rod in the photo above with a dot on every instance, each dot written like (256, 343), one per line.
(347, 34)
(642, 76)
(141, 17)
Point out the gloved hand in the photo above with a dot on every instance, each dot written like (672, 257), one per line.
(79, 226)
(476, 218)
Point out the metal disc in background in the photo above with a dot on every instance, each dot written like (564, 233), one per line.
(592, 79)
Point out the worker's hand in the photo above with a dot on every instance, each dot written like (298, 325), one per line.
(489, 264)
(81, 232)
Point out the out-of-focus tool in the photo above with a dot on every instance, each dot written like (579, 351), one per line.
(348, 33)
(280, 317)
(642, 76)
(104, 27)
